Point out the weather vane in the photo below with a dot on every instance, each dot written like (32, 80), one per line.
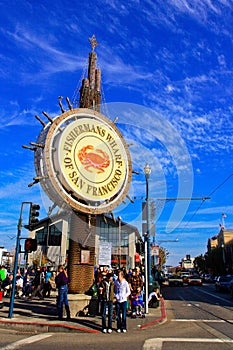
(93, 42)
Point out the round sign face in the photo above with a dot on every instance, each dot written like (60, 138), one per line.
(85, 161)
(92, 159)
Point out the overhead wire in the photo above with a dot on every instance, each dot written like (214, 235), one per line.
(221, 184)
(211, 193)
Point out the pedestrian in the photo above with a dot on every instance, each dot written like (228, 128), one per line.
(98, 276)
(106, 294)
(37, 284)
(19, 286)
(137, 305)
(135, 284)
(62, 281)
(3, 273)
(52, 281)
(27, 286)
(47, 285)
(7, 285)
(154, 298)
(122, 292)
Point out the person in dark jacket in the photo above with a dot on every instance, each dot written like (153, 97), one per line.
(38, 283)
(106, 294)
(7, 285)
(62, 281)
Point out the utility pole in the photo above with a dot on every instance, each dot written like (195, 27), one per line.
(16, 260)
(32, 219)
(146, 232)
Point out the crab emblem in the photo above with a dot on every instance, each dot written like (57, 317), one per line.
(97, 159)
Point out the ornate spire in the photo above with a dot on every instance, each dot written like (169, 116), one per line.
(93, 42)
(90, 95)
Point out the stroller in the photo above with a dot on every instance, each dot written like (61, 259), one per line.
(137, 306)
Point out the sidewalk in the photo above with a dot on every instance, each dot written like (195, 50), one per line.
(40, 316)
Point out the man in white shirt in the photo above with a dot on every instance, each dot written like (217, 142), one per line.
(122, 292)
(19, 285)
(154, 298)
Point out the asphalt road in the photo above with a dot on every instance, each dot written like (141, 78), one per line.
(198, 318)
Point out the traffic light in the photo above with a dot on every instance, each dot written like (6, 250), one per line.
(34, 213)
(30, 245)
(33, 216)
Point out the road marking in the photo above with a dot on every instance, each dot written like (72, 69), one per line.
(157, 343)
(26, 341)
(214, 295)
(196, 320)
(214, 332)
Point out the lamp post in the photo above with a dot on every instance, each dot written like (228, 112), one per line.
(147, 172)
(223, 257)
(146, 279)
(119, 239)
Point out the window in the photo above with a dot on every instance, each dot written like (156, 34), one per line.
(55, 233)
(110, 233)
(41, 236)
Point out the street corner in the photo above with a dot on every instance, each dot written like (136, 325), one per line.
(157, 316)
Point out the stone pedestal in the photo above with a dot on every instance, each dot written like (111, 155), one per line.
(78, 302)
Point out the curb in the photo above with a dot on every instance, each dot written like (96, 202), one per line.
(44, 327)
(162, 319)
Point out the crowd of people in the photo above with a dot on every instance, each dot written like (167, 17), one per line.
(30, 283)
(123, 290)
(118, 293)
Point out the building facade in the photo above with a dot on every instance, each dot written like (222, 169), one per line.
(220, 251)
(53, 237)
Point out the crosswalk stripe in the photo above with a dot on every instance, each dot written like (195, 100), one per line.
(157, 343)
(26, 341)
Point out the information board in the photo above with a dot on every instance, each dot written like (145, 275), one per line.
(105, 253)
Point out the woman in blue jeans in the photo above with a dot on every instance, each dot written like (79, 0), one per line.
(122, 292)
(62, 281)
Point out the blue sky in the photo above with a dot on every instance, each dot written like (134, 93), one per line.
(167, 74)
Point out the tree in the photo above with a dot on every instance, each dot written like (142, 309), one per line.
(200, 264)
(162, 257)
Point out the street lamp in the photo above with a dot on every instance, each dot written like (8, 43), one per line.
(147, 172)
(223, 257)
(119, 239)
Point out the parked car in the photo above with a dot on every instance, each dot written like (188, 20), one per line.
(175, 281)
(194, 281)
(222, 283)
(185, 278)
(231, 287)
(208, 278)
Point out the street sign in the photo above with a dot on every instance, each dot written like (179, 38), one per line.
(155, 250)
